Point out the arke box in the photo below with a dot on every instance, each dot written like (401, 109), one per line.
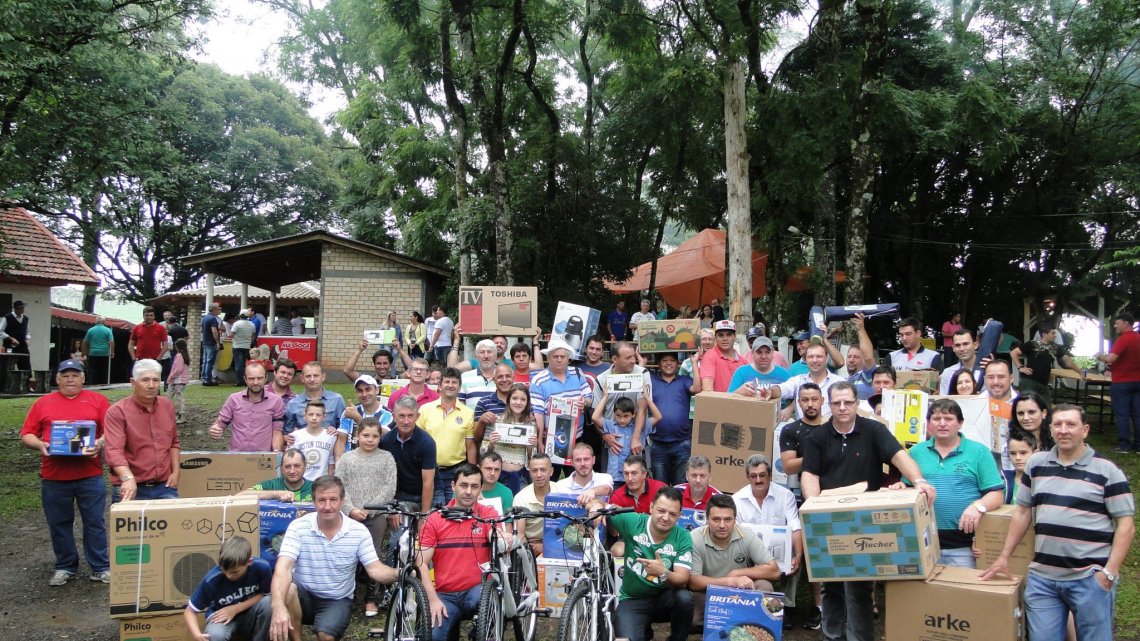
(728, 428)
(952, 604)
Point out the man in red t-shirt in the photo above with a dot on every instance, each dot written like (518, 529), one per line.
(148, 340)
(1124, 361)
(458, 547)
(71, 479)
(638, 490)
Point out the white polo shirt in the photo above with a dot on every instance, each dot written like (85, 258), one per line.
(569, 486)
(778, 508)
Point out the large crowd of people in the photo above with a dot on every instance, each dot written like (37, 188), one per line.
(434, 441)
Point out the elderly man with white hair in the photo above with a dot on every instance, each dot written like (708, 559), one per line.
(479, 383)
(141, 439)
(98, 350)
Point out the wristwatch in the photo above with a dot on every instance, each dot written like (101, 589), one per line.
(126, 478)
(980, 508)
(1109, 575)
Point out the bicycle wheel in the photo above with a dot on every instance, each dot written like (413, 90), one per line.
(408, 616)
(579, 609)
(490, 624)
(523, 578)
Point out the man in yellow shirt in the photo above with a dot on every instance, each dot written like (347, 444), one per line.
(452, 425)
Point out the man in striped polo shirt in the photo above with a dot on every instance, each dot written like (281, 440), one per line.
(1082, 510)
(315, 576)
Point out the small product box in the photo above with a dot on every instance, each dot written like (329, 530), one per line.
(732, 614)
(562, 430)
(952, 604)
(574, 324)
(562, 540)
(691, 519)
(69, 438)
(555, 577)
(674, 335)
(778, 540)
(852, 535)
(989, 537)
(514, 434)
(905, 413)
(275, 519)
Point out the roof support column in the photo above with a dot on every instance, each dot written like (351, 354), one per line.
(209, 290)
(244, 298)
(272, 317)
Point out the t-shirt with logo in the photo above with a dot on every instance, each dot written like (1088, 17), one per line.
(676, 551)
(216, 591)
(461, 546)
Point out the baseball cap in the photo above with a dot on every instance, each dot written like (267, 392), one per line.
(753, 333)
(18, 303)
(762, 341)
(69, 364)
(367, 379)
(801, 335)
(724, 326)
(557, 344)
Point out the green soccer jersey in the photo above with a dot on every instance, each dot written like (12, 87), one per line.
(676, 551)
(302, 495)
(503, 493)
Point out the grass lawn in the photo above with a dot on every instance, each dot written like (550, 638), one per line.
(20, 490)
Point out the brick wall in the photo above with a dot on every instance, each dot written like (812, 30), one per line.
(194, 342)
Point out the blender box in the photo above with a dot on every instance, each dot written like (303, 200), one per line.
(574, 324)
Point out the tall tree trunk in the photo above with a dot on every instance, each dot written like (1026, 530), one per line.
(739, 282)
(92, 236)
(588, 78)
(824, 241)
(460, 125)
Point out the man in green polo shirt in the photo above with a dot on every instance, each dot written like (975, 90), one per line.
(291, 486)
(658, 557)
(99, 349)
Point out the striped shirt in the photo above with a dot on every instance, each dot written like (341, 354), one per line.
(544, 386)
(473, 387)
(1073, 511)
(327, 568)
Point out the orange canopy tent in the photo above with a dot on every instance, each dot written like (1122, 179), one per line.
(693, 273)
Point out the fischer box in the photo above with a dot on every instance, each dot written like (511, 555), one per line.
(160, 550)
(743, 615)
(223, 473)
(168, 627)
(555, 576)
(952, 604)
(989, 537)
(869, 536)
(70, 438)
(275, 517)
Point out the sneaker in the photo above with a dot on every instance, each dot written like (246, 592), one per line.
(60, 577)
(101, 577)
(813, 620)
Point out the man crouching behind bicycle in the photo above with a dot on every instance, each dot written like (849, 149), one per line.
(658, 557)
(458, 546)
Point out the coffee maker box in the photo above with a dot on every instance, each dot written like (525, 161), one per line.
(69, 438)
(575, 324)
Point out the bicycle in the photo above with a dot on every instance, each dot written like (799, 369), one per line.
(515, 568)
(587, 614)
(409, 618)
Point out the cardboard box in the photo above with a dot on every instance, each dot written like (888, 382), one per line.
(562, 429)
(778, 540)
(223, 473)
(677, 335)
(728, 428)
(691, 519)
(498, 310)
(631, 383)
(160, 550)
(562, 540)
(953, 605)
(574, 324)
(989, 537)
(985, 420)
(905, 414)
(918, 379)
(377, 337)
(69, 438)
(555, 577)
(275, 517)
(869, 536)
(735, 614)
(169, 627)
(514, 441)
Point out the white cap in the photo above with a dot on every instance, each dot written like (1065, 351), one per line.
(557, 344)
(367, 379)
(724, 325)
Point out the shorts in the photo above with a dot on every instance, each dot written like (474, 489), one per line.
(330, 616)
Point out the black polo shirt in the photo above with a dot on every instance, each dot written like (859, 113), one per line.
(412, 457)
(845, 459)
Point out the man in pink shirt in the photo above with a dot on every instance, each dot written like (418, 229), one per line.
(142, 439)
(417, 373)
(720, 363)
(256, 415)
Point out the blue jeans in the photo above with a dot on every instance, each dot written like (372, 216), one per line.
(441, 354)
(1048, 604)
(251, 624)
(442, 493)
(847, 611)
(459, 606)
(674, 605)
(209, 357)
(59, 499)
(670, 461)
(1126, 410)
(958, 557)
(147, 493)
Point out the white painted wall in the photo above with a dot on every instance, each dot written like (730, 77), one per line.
(37, 298)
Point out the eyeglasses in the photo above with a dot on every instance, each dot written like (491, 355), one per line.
(842, 403)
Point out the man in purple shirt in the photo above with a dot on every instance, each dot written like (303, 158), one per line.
(255, 415)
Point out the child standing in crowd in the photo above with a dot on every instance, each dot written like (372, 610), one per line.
(515, 457)
(621, 425)
(315, 442)
(179, 377)
(369, 475)
(1021, 446)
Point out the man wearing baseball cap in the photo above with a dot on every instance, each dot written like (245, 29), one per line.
(720, 363)
(801, 340)
(369, 406)
(761, 374)
(71, 480)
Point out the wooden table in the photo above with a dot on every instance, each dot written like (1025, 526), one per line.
(11, 361)
(1092, 379)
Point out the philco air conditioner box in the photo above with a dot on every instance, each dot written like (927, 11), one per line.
(160, 550)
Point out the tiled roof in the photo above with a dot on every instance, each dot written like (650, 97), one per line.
(42, 257)
(304, 290)
(84, 317)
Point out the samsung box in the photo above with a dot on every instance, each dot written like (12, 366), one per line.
(555, 576)
(869, 536)
(160, 550)
(732, 614)
(989, 537)
(275, 517)
(69, 438)
(561, 539)
(574, 324)
(168, 627)
(728, 428)
(952, 604)
(498, 310)
(223, 473)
